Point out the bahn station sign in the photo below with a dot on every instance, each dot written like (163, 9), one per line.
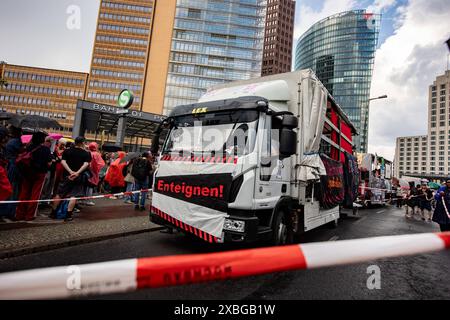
(104, 108)
(117, 121)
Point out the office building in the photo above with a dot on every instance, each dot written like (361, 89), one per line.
(279, 31)
(211, 42)
(341, 51)
(168, 52)
(411, 155)
(121, 49)
(38, 91)
(429, 155)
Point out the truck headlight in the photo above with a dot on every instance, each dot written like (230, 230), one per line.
(234, 225)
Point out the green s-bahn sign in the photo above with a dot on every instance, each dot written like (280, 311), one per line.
(125, 99)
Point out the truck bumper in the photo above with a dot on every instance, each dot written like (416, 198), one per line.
(253, 232)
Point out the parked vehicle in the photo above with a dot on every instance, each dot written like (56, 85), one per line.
(375, 180)
(261, 159)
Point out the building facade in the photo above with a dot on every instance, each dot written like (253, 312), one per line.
(212, 42)
(38, 91)
(278, 37)
(411, 155)
(121, 50)
(168, 52)
(341, 51)
(431, 154)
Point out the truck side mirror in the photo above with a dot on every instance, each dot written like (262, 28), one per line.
(289, 121)
(288, 142)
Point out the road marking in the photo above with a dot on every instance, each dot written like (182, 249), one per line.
(333, 238)
(381, 211)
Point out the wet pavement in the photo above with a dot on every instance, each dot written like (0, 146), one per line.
(108, 218)
(414, 277)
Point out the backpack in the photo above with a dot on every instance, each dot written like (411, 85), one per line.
(24, 159)
(61, 211)
(140, 169)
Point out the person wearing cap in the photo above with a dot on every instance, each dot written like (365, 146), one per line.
(75, 161)
(442, 212)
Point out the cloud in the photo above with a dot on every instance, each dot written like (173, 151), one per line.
(405, 65)
(379, 5)
(36, 33)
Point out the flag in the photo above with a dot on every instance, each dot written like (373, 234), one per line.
(448, 43)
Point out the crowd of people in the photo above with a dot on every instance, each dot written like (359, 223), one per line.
(427, 204)
(61, 172)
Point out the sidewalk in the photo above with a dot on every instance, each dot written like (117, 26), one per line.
(107, 219)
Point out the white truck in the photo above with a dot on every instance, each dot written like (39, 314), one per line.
(243, 163)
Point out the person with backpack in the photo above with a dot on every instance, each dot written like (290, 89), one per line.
(33, 164)
(114, 175)
(142, 171)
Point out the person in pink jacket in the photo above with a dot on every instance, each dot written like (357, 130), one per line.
(96, 165)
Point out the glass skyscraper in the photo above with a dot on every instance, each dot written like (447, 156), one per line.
(341, 51)
(213, 42)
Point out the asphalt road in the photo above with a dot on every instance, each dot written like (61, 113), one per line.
(416, 277)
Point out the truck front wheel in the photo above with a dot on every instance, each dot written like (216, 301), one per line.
(282, 233)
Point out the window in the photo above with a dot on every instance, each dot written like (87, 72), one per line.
(194, 13)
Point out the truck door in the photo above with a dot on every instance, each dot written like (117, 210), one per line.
(272, 173)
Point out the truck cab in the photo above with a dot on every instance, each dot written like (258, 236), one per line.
(243, 164)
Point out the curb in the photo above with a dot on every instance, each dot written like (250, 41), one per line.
(70, 243)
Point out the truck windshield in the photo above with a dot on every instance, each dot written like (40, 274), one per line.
(213, 134)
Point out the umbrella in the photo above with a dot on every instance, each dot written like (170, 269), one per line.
(403, 184)
(130, 156)
(27, 137)
(434, 185)
(33, 122)
(6, 115)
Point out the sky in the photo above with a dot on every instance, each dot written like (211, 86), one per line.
(59, 34)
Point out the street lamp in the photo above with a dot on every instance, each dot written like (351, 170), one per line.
(366, 119)
(380, 97)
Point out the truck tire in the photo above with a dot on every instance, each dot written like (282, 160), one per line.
(282, 232)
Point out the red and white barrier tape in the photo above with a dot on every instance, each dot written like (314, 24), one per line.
(100, 196)
(134, 274)
(445, 207)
